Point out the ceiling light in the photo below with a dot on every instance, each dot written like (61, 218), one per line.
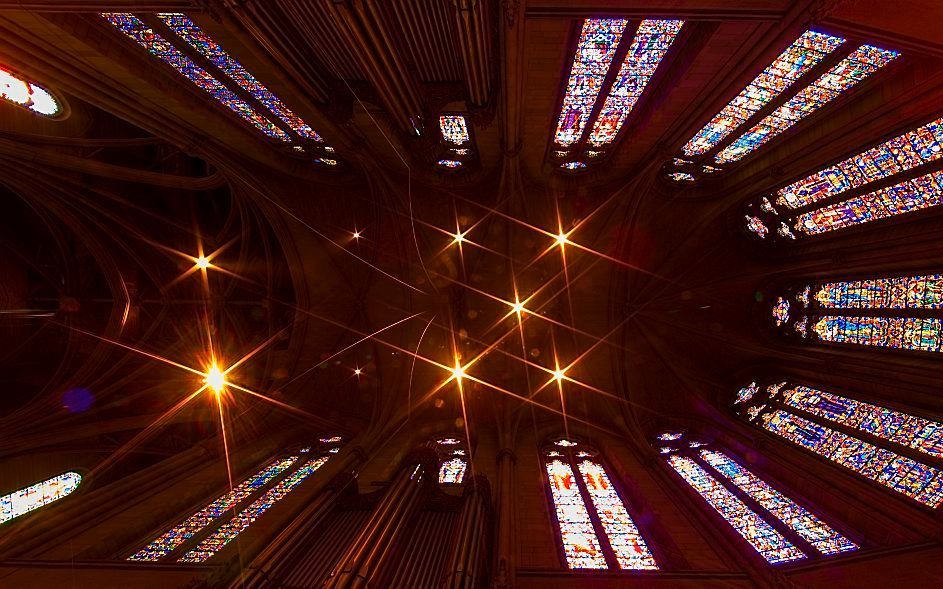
(215, 379)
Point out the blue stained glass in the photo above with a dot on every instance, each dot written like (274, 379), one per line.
(888, 332)
(822, 537)
(918, 481)
(203, 43)
(144, 36)
(764, 538)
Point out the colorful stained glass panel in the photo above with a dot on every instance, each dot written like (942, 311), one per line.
(171, 539)
(907, 333)
(648, 48)
(597, 44)
(242, 520)
(813, 530)
(454, 129)
(863, 62)
(188, 30)
(903, 292)
(912, 195)
(800, 57)
(895, 155)
(136, 30)
(916, 480)
(764, 538)
(452, 471)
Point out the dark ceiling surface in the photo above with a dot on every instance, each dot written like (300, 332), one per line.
(646, 314)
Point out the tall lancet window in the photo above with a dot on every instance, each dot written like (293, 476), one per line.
(35, 496)
(183, 45)
(456, 145)
(811, 72)
(453, 460)
(897, 450)
(775, 525)
(594, 525)
(210, 528)
(900, 312)
(896, 177)
(609, 73)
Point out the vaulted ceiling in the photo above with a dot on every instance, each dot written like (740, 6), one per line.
(644, 315)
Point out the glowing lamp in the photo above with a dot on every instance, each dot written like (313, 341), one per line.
(215, 380)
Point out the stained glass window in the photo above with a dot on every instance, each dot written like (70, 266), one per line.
(669, 436)
(916, 480)
(454, 129)
(764, 538)
(206, 46)
(580, 543)
(450, 163)
(573, 166)
(921, 434)
(452, 471)
(800, 57)
(920, 146)
(648, 48)
(908, 196)
(903, 292)
(863, 62)
(35, 496)
(755, 225)
(242, 520)
(746, 393)
(588, 505)
(624, 538)
(800, 520)
(681, 176)
(874, 312)
(170, 540)
(597, 44)
(888, 332)
(27, 94)
(144, 36)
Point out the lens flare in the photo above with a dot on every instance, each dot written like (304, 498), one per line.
(215, 379)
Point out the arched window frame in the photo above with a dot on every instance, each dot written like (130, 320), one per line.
(770, 400)
(920, 144)
(19, 503)
(805, 312)
(201, 532)
(456, 150)
(30, 104)
(571, 451)
(689, 167)
(828, 540)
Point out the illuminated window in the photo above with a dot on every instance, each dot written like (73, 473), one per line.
(776, 526)
(170, 540)
(764, 538)
(781, 96)
(577, 126)
(649, 46)
(920, 146)
(800, 57)
(35, 496)
(871, 312)
(878, 443)
(452, 455)
(203, 43)
(456, 146)
(210, 528)
(454, 130)
(242, 520)
(588, 505)
(28, 95)
(847, 73)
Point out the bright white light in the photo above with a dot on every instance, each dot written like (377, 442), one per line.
(358, 371)
(458, 373)
(203, 263)
(458, 238)
(518, 307)
(559, 375)
(561, 239)
(215, 379)
(356, 234)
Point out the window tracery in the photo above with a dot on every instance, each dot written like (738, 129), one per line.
(890, 447)
(775, 525)
(594, 526)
